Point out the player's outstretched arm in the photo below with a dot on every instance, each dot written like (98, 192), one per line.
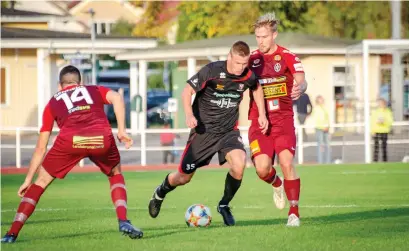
(258, 95)
(300, 85)
(187, 93)
(36, 160)
(117, 101)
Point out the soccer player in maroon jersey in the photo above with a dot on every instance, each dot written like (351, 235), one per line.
(84, 132)
(282, 77)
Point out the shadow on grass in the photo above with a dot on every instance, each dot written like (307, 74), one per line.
(64, 236)
(309, 221)
(336, 218)
(34, 222)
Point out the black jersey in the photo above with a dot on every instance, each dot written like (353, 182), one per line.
(218, 96)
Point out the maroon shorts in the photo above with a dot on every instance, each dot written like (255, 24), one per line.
(278, 138)
(67, 151)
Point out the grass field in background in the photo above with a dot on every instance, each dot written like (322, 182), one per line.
(342, 207)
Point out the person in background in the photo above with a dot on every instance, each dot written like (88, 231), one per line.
(321, 119)
(381, 126)
(304, 109)
(168, 139)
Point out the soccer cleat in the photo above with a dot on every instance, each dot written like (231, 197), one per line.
(128, 229)
(228, 218)
(278, 196)
(293, 221)
(9, 238)
(155, 204)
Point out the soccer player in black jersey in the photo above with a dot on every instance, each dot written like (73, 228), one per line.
(213, 117)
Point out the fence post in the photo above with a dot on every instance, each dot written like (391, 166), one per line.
(143, 147)
(18, 148)
(300, 144)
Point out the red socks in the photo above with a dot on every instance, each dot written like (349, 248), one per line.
(26, 208)
(118, 195)
(272, 178)
(292, 190)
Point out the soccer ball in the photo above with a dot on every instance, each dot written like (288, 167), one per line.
(198, 215)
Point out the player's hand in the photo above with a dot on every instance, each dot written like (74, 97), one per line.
(296, 92)
(23, 188)
(191, 121)
(123, 137)
(263, 123)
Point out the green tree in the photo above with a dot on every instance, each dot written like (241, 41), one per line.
(8, 4)
(293, 16)
(122, 28)
(356, 20)
(155, 81)
(215, 19)
(150, 24)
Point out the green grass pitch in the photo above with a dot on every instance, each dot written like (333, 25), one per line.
(342, 207)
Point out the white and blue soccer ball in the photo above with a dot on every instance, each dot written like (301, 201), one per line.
(198, 215)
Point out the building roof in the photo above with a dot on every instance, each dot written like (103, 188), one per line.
(23, 13)
(18, 33)
(290, 40)
(64, 41)
(296, 42)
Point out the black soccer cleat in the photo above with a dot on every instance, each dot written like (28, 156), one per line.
(228, 218)
(155, 204)
(9, 238)
(126, 228)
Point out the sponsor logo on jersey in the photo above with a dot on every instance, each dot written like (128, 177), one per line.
(79, 108)
(277, 67)
(220, 87)
(224, 103)
(273, 105)
(241, 88)
(254, 147)
(256, 63)
(275, 90)
(272, 80)
(226, 95)
(277, 57)
(298, 67)
(194, 81)
(222, 75)
(88, 142)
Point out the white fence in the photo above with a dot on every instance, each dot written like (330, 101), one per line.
(352, 128)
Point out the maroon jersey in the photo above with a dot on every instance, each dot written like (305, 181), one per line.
(275, 74)
(78, 110)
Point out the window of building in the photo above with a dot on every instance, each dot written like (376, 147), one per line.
(4, 86)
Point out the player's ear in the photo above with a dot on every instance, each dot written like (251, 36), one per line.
(275, 33)
(59, 86)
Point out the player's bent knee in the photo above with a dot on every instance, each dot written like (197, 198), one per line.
(116, 170)
(43, 178)
(184, 178)
(263, 169)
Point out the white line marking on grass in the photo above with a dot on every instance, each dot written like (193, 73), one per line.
(238, 207)
(371, 172)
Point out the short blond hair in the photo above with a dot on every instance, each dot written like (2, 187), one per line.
(268, 19)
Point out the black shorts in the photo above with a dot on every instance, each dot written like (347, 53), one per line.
(201, 148)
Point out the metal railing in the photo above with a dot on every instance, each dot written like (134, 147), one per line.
(143, 148)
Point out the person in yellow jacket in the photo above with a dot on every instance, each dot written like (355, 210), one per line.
(321, 119)
(381, 125)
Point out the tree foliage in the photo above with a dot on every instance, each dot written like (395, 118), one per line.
(122, 28)
(150, 24)
(344, 19)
